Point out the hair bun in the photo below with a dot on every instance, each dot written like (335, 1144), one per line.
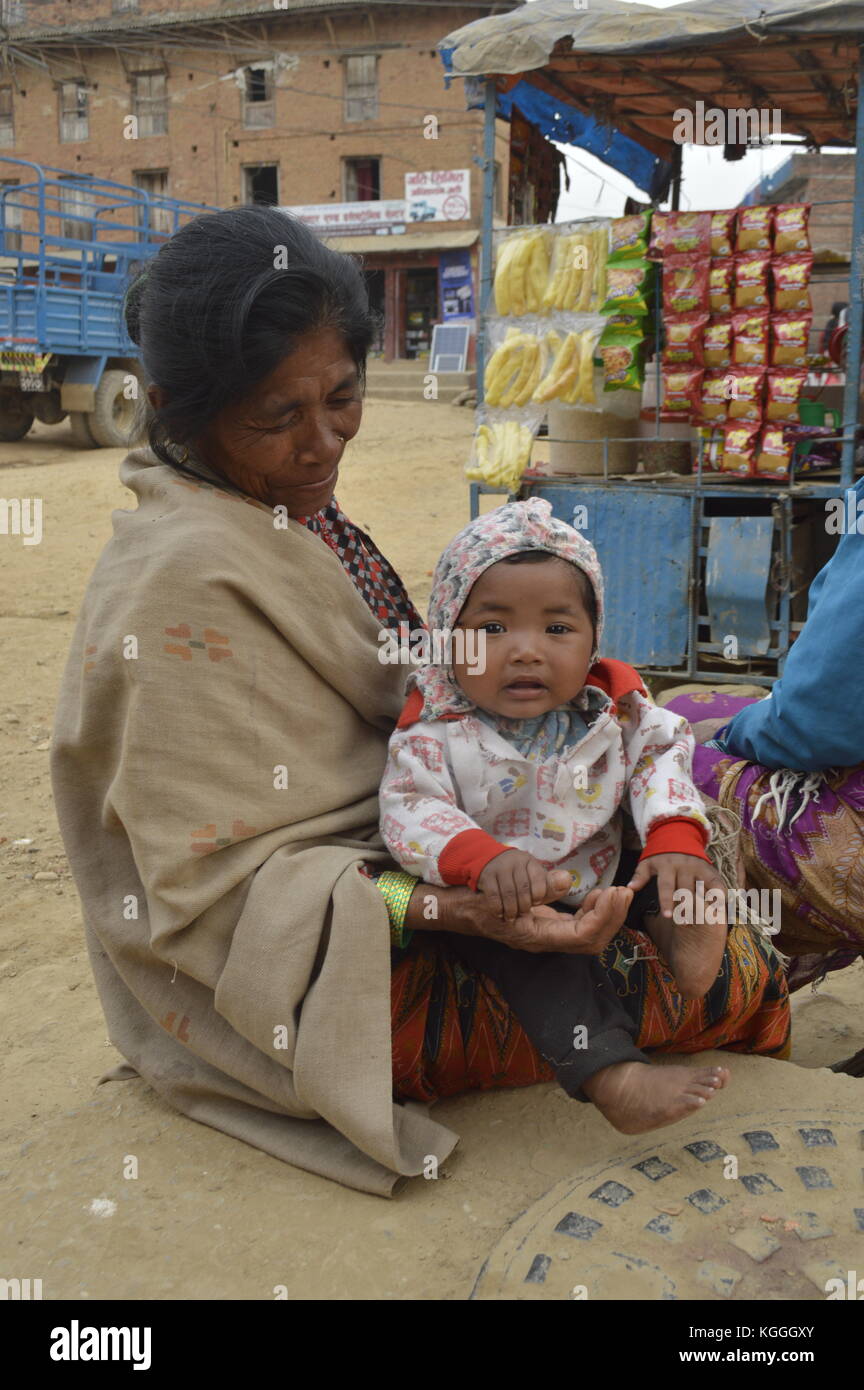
(132, 307)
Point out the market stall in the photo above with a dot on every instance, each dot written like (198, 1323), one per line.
(678, 339)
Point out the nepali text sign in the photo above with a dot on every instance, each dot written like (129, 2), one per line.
(345, 218)
(438, 195)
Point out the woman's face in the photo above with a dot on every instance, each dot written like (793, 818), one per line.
(282, 445)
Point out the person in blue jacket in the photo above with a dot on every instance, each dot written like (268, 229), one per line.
(791, 765)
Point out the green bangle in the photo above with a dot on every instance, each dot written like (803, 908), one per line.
(396, 890)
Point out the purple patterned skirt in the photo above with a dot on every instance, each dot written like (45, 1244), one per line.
(816, 856)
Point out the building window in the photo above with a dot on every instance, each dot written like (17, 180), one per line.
(12, 12)
(362, 180)
(7, 120)
(119, 5)
(10, 214)
(261, 184)
(155, 183)
(259, 108)
(76, 210)
(150, 102)
(361, 87)
(74, 118)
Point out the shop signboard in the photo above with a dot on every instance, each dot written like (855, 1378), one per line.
(379, 216)
(438, 195)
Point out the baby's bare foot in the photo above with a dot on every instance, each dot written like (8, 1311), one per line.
(694, 954)
(635, 1097)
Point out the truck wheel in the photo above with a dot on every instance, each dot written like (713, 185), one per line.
(16, 415)
(47, 407)
(113, 413)
(81, 431)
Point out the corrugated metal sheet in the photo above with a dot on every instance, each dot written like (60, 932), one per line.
(644, 544)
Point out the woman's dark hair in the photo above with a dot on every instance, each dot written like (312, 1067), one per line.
(586, 588)
(223, 301)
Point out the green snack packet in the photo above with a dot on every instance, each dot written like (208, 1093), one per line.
(629, 237)
(620, 353)
(628, 287)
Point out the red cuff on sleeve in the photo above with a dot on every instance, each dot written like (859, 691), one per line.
(465, 857)
(678, 835)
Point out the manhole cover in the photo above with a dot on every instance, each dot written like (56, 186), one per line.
(747, 1207)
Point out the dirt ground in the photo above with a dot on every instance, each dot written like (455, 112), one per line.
(207, 1217)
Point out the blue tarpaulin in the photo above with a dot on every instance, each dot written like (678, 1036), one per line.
(570, 127)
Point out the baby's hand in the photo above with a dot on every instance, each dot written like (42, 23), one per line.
(514, 882)
(677, 872)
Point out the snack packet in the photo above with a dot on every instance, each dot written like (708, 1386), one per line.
(685, 284)
(687, 233)
(744, 388)
(680, 392)
(774, 453)
(754, 228)
(683, 343)
(751, 280)
(739, 447)
(720, 277)
(621, 355)
(791, 279)
(750, 338)
(790, 227)
(783, 387)
(658, 235)
(714, 400)
(790, 336)
(628, 288)
(723, 232)
(717, 342)
(629, 237)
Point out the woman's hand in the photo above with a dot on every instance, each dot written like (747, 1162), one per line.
(465, 912)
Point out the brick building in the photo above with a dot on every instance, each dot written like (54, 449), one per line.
(321, 107)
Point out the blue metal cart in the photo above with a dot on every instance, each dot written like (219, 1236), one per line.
(68, 245)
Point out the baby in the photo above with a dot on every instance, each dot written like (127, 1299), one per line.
(510, 773)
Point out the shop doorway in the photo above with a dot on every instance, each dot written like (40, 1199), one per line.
(375, 282)
(421, 310)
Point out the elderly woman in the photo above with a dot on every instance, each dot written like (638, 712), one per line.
(221, 732)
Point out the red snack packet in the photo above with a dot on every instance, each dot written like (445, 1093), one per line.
(723, 232)
(750, 338)
(680, 233)
(783, 387)
(751, 280)
(791, 232)
(739, 447)
(680, 393)
(658, 235)
(685, 284)
(717, 342)
(754, 228)
(790, 335)
(683, 343)
(774, 453)
(744, 392)
(720, 277)
(791, 278)
(714, 399)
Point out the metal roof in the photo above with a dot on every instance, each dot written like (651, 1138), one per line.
(632, 66)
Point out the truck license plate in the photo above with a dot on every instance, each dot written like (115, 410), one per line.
(31, 381)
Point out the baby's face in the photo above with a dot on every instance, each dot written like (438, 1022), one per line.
(539, 639)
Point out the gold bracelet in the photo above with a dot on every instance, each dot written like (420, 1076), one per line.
(396, 890)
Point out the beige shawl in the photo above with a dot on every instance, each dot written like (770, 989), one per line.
(220, 734)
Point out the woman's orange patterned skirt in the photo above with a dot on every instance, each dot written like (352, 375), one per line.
(452, 1031)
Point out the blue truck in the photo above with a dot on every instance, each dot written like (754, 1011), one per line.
(68, 246)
